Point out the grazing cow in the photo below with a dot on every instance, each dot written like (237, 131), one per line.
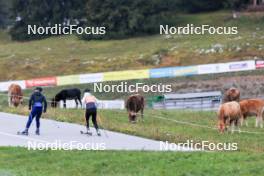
(252, 107)
(67, 94)
(229, 114)
(134, 104)
(232, 94)
(15, 95)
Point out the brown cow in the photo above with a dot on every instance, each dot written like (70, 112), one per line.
(229, 114)
(253, 107)
(134, 104)
(15, 95)
(232, 94)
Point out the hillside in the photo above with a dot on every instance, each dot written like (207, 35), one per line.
(64, 55)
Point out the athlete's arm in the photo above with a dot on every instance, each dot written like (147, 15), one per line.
(45, 104)
(30, 102)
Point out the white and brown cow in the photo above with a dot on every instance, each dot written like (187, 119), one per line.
(229, 114)
(134, 104)
(15, 95)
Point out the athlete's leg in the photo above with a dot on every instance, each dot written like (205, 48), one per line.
(94, 114)
(38, 116)
(87, 117)
(31, 117)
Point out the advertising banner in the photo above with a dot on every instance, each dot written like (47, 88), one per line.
(185, 71)
(91, 78)
(226, 67)
(5, 85)
(209, 68)
(47, 81)
(161, 72)
(241, 66)
(259, 64)
(68, 80)
(173, 71)
(125, 75)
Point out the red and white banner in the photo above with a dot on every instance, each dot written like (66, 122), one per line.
(260, 64)
(47, 81)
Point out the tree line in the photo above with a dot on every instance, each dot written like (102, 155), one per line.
(122, 18)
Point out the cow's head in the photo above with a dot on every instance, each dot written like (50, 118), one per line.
(221, 126)
(233, 94)
(132, 116)
(16, 101)
(53, 103)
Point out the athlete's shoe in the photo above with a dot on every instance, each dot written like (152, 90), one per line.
(25, 132)
(37, 132)
(98, 133)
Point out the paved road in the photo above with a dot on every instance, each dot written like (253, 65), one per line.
(61, 135)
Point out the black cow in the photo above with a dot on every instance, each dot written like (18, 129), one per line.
(67, 94)
(134, 104)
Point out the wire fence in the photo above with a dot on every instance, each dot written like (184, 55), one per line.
(189, 123)
(162, 118)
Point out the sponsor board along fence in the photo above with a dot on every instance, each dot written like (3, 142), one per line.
(137, 74)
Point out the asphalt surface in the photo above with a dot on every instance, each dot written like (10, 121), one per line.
(60, 135)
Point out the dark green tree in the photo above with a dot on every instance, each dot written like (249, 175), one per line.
(195, 6)
(43, 13)
(122, 18)
(125, 18)
(3, 13)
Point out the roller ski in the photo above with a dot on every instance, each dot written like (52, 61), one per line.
(88, 132)
(25, 133)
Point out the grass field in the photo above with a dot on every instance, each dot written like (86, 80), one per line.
(165, 129)
(65, 55)
(18, 161)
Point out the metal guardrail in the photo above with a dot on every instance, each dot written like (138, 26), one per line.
(193, 101)
(187, 104)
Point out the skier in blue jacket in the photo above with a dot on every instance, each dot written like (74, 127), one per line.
(37, 105)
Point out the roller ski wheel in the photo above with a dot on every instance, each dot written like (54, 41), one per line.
(87, 133)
